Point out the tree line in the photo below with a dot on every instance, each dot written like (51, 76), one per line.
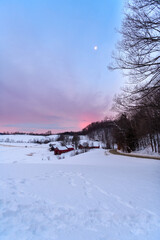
(138, 56)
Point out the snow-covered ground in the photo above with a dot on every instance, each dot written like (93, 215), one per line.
(91, 196)
(25, 138)
(147, 152)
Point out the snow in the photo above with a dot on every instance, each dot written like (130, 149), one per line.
(90, 143)
(147, 152)
(69, 146)
(25, 138)
(95, 195)
(62, 147)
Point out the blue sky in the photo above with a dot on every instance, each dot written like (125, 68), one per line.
(51, 77)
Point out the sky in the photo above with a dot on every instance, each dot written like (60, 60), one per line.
(53, 63)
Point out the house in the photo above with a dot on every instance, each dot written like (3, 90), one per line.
(89, 145)
(60, 149)
(94, 144)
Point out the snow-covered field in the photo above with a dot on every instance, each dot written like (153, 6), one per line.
(91, 196)
(25, 138)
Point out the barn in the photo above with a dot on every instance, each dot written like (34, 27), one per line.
(60, 149)
(70, 147)
(63, 149)
(89, 145)
(94, 144)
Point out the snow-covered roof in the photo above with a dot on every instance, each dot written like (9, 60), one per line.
(69, 146)
(61, 147)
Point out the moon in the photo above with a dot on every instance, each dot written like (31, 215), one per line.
(95, 47)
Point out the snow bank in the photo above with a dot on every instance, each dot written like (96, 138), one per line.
(147, 152)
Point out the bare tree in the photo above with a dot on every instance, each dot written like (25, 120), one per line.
(75, 140)
(138, 52)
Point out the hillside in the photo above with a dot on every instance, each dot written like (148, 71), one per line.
(95, 195)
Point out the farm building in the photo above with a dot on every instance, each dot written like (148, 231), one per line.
(70, 147)
(94, 144)
(62, 149)
(89, 145)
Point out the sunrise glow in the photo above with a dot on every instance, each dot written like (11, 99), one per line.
(50, 77)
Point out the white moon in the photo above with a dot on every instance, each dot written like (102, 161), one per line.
(95, 48)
